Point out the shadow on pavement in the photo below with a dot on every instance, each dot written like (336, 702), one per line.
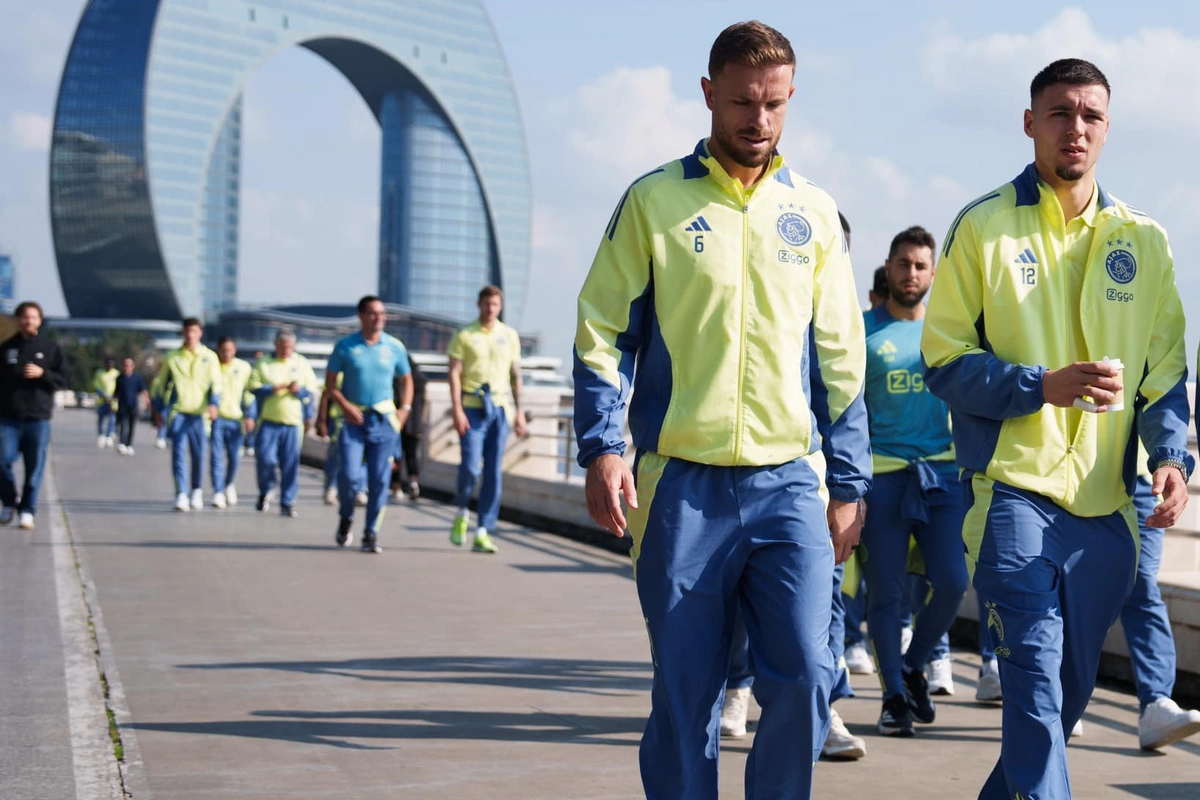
(1161, 791)
(169, 545)
(335, 728)
(613, 678)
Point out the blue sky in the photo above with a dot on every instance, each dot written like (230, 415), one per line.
(903, 112)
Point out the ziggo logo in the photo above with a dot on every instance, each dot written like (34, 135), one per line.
(1119, 296)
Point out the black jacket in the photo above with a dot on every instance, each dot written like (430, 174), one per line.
(415, 426)
(20, 397)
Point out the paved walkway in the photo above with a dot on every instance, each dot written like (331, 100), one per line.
(248, 658)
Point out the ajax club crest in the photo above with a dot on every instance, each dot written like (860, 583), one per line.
(794, 229)
(1121, 266)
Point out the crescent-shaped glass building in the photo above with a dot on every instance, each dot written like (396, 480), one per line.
(146, 153)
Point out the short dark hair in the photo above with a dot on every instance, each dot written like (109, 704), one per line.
(751, 44)
(28, 304)
(490, 291)
(225, 339)
(916, 235)
(110, 362)
(365, 301)
(845, 228)
(880, 288)
(192, 322)
(1072, 71)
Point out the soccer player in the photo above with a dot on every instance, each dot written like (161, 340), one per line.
(368, 360)
(1040, 280)
(227, 434)
(188, 388)
(281, 384)
(878, 293)
(915, 490)
(104, 383)
(485, 390)
(128, 389)
(34, 369)
(711, 277)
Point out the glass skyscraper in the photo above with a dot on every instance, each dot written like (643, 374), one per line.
(145, 161)
(8, 301)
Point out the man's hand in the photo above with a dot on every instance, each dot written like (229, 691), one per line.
(212, 413)
(1096, 379)
(156, 419)
(1169, 483)
(519, 426)
(294, 387)
(402, 417)
(461, 423)
(322, 427)
(33, 372)
(609, 477)
(845, 525)
(353, 414)
(249, 425)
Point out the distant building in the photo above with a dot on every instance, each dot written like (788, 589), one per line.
(145, 162)
(8, 301)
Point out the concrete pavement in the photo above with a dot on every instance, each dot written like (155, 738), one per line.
(256, 660)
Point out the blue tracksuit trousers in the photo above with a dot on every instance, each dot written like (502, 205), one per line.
(368, 447)
(707, 541)
(483, 445)
(741, 667)
(898, 506)
(277, 450)
(1052, 584)
(226, 453)
(1144, 615)
(187, 432)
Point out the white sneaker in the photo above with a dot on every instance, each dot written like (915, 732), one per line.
(219, 500)
(858, 660)
(231, 495)
(331, 496)
(108, 442)
(6, 515)
(197, 499)
(26, 520)
(1077, 730)
(988, 689)
(1163, 722)
(840, 744)
(100, 440)
(360, 499)
(941, 676)
(905, 639)
(120, 449)
(734, 711)
(181, 502)
(128, 450)
(160, 444)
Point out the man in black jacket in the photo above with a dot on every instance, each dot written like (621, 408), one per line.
(33, 370)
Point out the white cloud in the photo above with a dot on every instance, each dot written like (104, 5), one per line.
(29, 132)
(1155, 84)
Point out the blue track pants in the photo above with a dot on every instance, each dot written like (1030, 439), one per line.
(708, 540)
(188, 433)
(226, 453)
(1052, 584)
(368, 447)
(277, 450)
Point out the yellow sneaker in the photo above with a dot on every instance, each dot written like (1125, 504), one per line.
(458, 532)
(483, 543)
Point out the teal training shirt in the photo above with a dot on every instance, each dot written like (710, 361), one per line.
(907, 422)
(368, 370)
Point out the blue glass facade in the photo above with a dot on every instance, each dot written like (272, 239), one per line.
(145, 162)
(7, 285)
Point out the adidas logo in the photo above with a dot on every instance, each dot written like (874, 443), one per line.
(699, 226)
(1026, 258)
(888, 349)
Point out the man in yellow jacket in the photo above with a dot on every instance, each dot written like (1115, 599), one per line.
(104, 384)
(713, 277)
(188, 391)
(1040, 282)
(227, 435)
(282, 385)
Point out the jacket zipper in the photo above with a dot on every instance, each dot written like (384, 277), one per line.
(739, 428)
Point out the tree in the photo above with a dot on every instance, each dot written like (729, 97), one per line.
(85, 357)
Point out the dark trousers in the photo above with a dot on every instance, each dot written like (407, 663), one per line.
(126, 423)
